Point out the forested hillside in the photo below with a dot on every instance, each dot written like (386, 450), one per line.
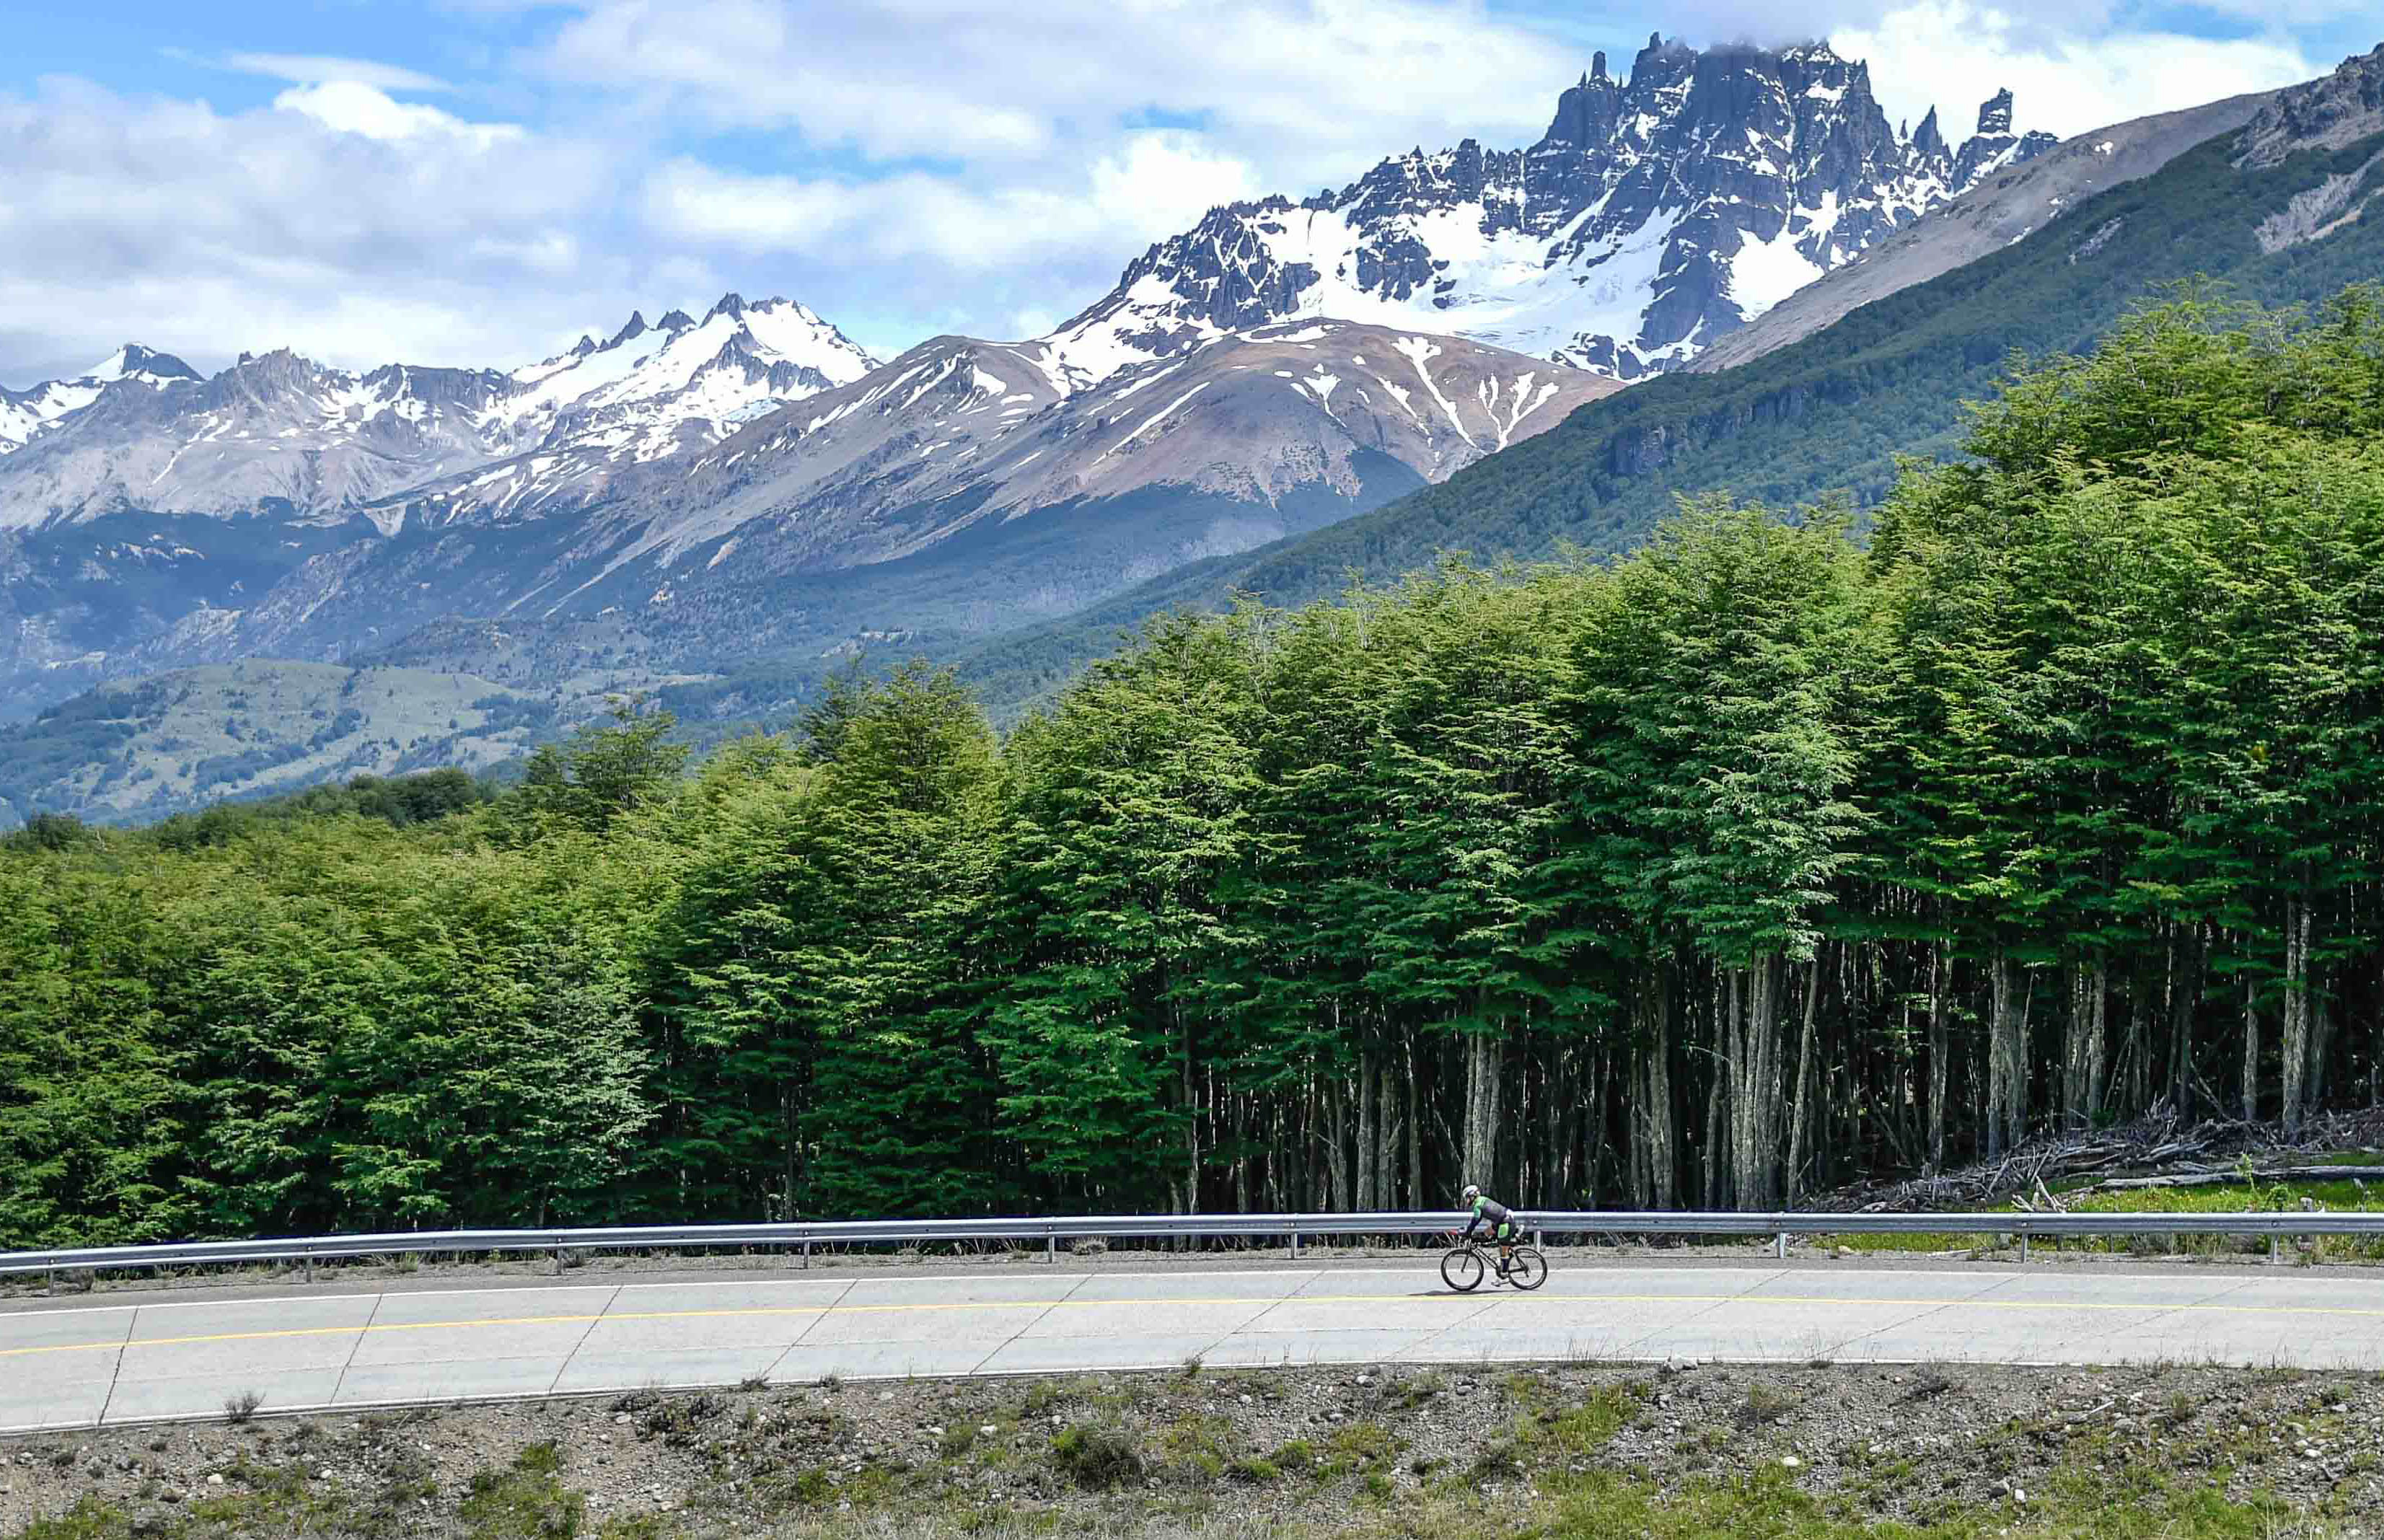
(1754, 860)
(1829, 414)
(175, 741)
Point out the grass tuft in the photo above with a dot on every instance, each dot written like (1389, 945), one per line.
(1097, 1458)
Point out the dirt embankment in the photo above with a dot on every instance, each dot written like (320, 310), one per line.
(1696, 1449)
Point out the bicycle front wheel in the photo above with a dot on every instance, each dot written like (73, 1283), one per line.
(1529, 1270)
(1461, 1269)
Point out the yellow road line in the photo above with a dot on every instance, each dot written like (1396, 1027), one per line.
(767, 1311)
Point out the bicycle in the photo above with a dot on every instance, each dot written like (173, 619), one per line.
(1465, 1265)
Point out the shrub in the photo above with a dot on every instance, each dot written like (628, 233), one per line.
(1097, 1458)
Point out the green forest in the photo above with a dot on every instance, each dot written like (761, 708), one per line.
(1776, 853)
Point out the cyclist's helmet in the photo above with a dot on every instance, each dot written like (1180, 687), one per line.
(1472, 1192)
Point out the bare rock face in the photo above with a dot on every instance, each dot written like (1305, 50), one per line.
(1657, 214)
(2325, 114)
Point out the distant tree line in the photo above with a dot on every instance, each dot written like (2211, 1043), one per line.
(1765, 858)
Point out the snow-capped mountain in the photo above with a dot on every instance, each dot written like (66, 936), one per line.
(959, 431)
(1657, 213)
(647, 388)
(284, 434)
(276, 433)
(26, 413)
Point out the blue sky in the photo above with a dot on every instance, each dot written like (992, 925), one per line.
(477, 181)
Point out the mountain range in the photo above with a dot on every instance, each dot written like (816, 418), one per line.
(1659, 212)
(2273, 198)
(721, 509)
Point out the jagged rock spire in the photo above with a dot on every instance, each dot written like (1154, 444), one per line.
(1929, 140)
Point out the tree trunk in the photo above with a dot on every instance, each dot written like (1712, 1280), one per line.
(1191, 1204)
(1725, 1016)
(2184, 994)
(2321, 1021)
(1807, 1081)
(1413, 1119)
(1481, 1095)
(2098, 1060)
(1653, 1116)
(1336, 1147)
(1940, 1057)
(1755, 1145)
(2295, 1047)
(2250, 1051)
(1370, 1161)
(2006, 1057)
(2081, 1052)
(2139, 1048)
(1242, 1118)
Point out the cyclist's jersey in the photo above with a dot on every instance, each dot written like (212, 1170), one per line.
(1489, 1211)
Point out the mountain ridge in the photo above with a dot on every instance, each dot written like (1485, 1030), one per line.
(1656, 212)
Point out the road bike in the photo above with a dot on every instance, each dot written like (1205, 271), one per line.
(1466, 1264)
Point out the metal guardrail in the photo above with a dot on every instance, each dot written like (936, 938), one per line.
(805, 1236)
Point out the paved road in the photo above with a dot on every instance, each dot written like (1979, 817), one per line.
(63, 1366)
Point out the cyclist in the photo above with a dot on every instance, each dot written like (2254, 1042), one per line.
(1499, 1221)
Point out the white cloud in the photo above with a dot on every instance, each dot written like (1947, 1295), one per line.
(1954, 55)
(342, 224)
(1310, 89)
(350, 107)
(315, 69)
(1154, 183)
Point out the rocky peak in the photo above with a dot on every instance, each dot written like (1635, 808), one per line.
(281, 367)
(134, 359)
(631, 329)
(1996, 113)
(677, 320)
(1587, 113)
(731, 305)
(2325, 114)
(1657, 212)
(1931, 140)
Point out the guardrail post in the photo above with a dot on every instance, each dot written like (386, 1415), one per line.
(2275, 1249)
(1780, 1245)
(807, 1255)
(558, 1261)
(1051, 1249)
(1294, 1245)
(2023, 1246)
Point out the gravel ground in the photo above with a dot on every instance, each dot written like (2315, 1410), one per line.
(1325, 1450)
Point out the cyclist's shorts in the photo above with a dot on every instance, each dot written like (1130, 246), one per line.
(1508, 1230)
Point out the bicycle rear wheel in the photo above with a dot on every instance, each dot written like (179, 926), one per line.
(1461, 1269)
(1529, 1270)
